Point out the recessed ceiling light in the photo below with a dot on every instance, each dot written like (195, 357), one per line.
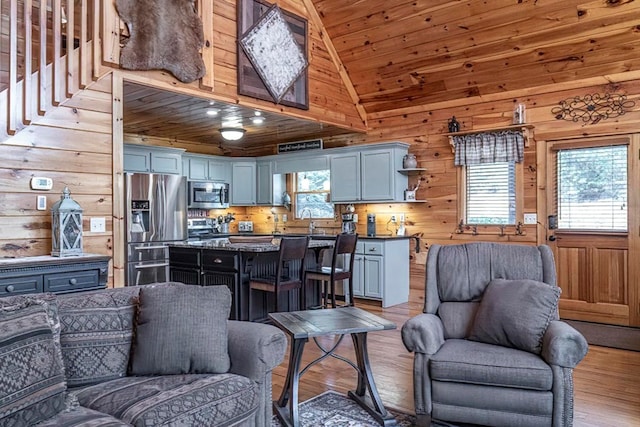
(257, 120)
(212, 112)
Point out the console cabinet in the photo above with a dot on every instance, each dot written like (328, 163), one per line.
(53, 274)
(381, 270)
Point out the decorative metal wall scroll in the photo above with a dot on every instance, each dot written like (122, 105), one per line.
(592, 108)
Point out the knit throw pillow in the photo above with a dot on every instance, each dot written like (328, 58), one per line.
(180, 330)
(515, 313)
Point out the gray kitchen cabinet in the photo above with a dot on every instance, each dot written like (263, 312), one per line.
(243, 183)
(345, 177)
(381, 270)
(369, 173)
(269, 185)
(208, 168)
(147, 159)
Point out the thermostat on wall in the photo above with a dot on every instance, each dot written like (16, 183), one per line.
(41, 183)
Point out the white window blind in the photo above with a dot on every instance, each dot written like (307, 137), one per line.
(592, 188)
(491, 193)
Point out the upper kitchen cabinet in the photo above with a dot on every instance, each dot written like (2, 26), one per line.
(147, 159)
(207, 168)
(243, 182)
(369, 173)
(345, 177)
(269, 185)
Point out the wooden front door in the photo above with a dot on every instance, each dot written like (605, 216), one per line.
(598, 270)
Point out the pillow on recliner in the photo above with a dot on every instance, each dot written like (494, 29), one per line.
(515, 313)
(181, 330)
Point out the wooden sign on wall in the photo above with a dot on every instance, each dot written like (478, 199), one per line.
(249, 81)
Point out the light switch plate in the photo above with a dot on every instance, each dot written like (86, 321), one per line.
(41, 203)
(98, 225)
(530, 218)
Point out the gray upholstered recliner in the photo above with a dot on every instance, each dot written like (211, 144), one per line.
(462, 380)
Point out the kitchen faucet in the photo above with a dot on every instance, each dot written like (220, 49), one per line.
(312, 226)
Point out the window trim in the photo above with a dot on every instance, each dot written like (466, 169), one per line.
(461, 178)
(553, 147)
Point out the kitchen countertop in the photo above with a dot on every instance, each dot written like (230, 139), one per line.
(313, 236)
(241, 247)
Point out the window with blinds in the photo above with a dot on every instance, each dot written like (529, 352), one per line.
(490, 193)
(592, 188)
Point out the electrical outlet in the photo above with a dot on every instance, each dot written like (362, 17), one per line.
(530, 218)
(98, 225)
(401, 217)
(284, 218)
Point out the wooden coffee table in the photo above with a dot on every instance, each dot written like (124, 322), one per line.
(302, 325)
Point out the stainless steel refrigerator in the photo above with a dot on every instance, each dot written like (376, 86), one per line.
(156, 215)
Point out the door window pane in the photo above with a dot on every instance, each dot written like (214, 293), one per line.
(592, 188)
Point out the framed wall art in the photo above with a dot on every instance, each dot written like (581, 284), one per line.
(272, 54)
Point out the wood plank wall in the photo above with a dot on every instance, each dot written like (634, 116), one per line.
(72, 145)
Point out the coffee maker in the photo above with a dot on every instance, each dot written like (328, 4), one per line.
(349, 220)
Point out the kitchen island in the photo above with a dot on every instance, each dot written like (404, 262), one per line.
(381, 268)
(212, 262)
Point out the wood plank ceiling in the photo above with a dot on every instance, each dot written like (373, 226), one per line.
(403, 53)
(154, 112)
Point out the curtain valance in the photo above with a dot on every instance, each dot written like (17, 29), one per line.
(489, 147)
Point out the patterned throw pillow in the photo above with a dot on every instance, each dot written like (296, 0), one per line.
(96, 333)
(32, 381)
(182, 330)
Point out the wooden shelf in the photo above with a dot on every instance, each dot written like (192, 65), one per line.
(525, 128)
(412, 171)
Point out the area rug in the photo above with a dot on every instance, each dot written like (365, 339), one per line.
(332, 409)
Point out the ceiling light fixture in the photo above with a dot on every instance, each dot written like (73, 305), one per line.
(232, 134)
(212, 112)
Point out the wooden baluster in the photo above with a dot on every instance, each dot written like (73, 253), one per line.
(84, 64)
(95, 40)
(43, 99)
(57, 77)
(27, 89)
(71, 78)
(12, 108)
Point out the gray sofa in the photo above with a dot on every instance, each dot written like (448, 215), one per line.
(489, 348)
(74, 363)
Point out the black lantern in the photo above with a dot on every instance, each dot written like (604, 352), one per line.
(66, 224)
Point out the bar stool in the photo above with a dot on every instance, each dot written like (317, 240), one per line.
(292, 249)
(328, 275)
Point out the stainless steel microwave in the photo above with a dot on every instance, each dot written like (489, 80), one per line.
(208, 195)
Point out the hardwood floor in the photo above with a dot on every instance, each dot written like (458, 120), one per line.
(607, 381)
